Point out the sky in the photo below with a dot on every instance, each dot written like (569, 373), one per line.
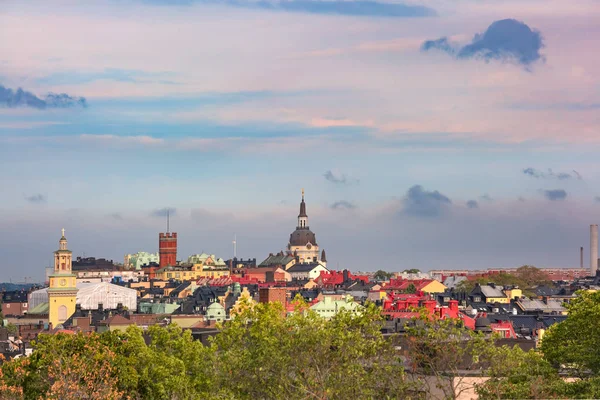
(427, 134)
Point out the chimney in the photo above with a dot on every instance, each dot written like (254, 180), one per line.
(430, 305)
(453, 305)
(593, 249)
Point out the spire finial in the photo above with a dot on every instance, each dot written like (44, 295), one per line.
(302, 194)
(63, 232)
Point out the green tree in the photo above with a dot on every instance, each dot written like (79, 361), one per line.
(412, 271)
(440, 352)
(569, 348)
(382, 275)
(516, 374)
(573, 344)
(115, 365)
(411, 289)
(531, 276)
(263, 354)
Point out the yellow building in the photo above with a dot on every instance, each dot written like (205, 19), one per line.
(180, 273)
(62, 293)
(489, 294)
(513, 292)
(198, 266)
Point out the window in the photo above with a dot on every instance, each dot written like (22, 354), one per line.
(62, 313)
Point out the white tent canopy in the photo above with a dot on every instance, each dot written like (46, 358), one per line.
(90, 295)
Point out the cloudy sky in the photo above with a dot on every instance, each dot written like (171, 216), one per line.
(427, 134)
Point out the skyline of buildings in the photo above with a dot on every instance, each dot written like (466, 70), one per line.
(302, 246)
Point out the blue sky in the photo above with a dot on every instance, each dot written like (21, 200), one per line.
(411, 125)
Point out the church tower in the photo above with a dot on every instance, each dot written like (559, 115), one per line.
(62, 293)
(303, 242)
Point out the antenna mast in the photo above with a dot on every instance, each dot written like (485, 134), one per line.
(168, 220)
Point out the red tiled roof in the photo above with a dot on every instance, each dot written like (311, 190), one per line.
(328, 278)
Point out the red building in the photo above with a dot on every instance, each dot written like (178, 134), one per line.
(405, 306)
(167, 249)
(273, 295)
(331, 279)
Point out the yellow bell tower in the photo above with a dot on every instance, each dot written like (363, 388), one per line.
(62, 293)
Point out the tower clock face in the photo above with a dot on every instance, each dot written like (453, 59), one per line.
(62, 282)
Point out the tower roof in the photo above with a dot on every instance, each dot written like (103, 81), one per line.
(301, 237)
(302, 207)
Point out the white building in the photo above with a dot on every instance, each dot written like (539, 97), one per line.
(89, 295)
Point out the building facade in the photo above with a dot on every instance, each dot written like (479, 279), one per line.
(136, 260)
(167, 249)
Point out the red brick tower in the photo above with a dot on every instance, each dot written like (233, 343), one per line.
(167, 249)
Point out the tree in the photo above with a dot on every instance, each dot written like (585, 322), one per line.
(263, 354)
(12, 329)
(532, 276)
(516, 374)
(569, 347)
(382, 275)
(411, 289)
(114, 365)
(65, 367)
(573, 344)
(412, 271)
(440, 351)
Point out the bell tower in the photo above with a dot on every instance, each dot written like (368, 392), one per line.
(62, 292)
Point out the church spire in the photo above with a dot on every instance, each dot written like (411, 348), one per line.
(302, 207)
(302, 217)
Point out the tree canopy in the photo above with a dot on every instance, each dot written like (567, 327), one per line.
(258, 354)
(525, 277)
(382, 275)
(263, 354)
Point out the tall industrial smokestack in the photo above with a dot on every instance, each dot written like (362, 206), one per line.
(581, 257)
(593, 249)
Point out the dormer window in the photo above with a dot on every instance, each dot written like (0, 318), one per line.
(477, 299)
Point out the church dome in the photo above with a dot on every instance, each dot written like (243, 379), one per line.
(300, 237)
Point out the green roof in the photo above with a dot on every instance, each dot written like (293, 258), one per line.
(40, 309)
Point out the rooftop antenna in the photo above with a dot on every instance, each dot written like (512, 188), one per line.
(234, 245)
(168, 220)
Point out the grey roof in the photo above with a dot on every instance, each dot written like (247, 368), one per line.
(304, 267)
(545, 291)
(539, 305)
(276, 259)
(489, 291)
(453, 281)
(302, 236)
